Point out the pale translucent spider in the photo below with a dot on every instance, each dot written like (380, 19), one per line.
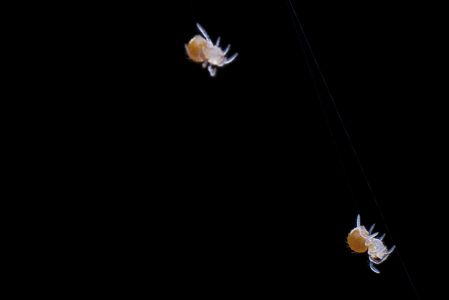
(361, 240)
(200, 49)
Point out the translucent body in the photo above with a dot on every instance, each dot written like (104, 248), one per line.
(377, 250)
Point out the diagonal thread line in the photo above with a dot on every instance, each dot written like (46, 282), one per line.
(308, 52)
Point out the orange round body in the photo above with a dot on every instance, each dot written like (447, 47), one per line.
(356, 242)
(195, 49)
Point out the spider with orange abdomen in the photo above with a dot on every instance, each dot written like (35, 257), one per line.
(361, 240)
(201, 49)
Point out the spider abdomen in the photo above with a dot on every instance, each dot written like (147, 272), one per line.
(195, 49)
(357, 242)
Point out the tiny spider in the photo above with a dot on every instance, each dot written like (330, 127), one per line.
(200, 49)
(361, 240)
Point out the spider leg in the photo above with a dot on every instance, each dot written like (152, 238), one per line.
(391, 250)
(371, 265)
(227, 49)
(358, 220)
(187, 49)
(382, 237)
(383, 259)
(373, 235)
(203, 32)
(372, 228)
(218, 42)
(212, 70)
(231, 59)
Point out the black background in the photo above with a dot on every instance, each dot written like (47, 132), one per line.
(246, 183)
